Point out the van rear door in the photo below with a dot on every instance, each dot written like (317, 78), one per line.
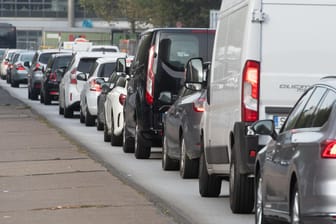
(298, 48)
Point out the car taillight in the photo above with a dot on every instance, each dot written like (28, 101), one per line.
(73, 78)
(37, 67)
(94, 86)
(10, 66)
(328, 149)
(6, 63)
(250, 91)
(122, 99)
(53, 76)
(150, 78)
(20, 67)
(198, 106)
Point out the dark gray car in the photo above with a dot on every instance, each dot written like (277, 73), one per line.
(295, 172)
(181, 135)
(35, 73)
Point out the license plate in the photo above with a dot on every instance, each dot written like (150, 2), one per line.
(279, 121)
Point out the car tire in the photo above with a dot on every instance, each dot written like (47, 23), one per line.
(115, 140)
(259, 205)
(33, 95)
(107, 136)
(14, 84)
(128, 142)
(100, 125)
(188, 167)
(60, 109)
(68, 112)
(209, 185)
(47, 99)
(241, 189)
(295, 205)
(41, 98)
(29, 94)
(89, 119)
(81, 116)
(142, 150)
(167, 162)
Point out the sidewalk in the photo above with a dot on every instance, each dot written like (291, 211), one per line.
(46, 179)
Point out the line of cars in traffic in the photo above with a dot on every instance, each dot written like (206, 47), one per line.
(212, 119)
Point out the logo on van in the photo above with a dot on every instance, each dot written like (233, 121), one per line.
(299, 88)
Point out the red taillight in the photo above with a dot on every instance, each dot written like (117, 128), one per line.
(20, 67)
(250, 91)
(94, 86)
(6, 63)
(328, 149)
(37, 67)
(73, 78)
(10, 66)
(53, 76)
(150, 78)
(122, 99)
(198, 106)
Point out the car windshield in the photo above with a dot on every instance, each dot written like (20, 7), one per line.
(85, 64)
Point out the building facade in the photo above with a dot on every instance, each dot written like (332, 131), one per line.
(40, 22)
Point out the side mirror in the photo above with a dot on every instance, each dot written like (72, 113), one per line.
(121, 65)
(264, 127)
(106, 88)
(26, 64)
(194, 71)
(81, 77)
(166, 97)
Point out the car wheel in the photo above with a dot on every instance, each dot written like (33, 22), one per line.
(89, 119)
(33, 95)
(60, 109)
(115, 140)
(81, 116)
(41, 97)
(141, 148)
(188, 167)
(128, 142)
(295, 205)
(14, 84)
(68, 112)
(29, 93)
(167, 162)
(107, 137)
(100, 125)
(241, 189)
(47, 99)
(259, 204)
(209, 185)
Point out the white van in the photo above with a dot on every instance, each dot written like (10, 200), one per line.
(266, 53)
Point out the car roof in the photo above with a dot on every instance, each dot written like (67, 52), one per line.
(111, 57)
(328, 80)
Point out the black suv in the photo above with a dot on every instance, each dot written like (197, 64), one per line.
(157, 74)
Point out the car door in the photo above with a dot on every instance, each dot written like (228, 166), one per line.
(278, 157)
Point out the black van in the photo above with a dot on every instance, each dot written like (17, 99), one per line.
(157, 71)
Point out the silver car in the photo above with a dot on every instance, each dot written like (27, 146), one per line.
(295, 178)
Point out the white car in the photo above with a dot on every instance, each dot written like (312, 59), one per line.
(70, 87)
(114, 106)
(100, 72)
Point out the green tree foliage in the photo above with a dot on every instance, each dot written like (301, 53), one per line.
(160, 13)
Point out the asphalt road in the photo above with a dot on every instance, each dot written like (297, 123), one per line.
(180, 197)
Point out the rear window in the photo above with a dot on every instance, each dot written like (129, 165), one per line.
(107, 69)
(104, 50)
(85, 64)
(44, 57)
(62, 62)
(27, 57)
(177, 48)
